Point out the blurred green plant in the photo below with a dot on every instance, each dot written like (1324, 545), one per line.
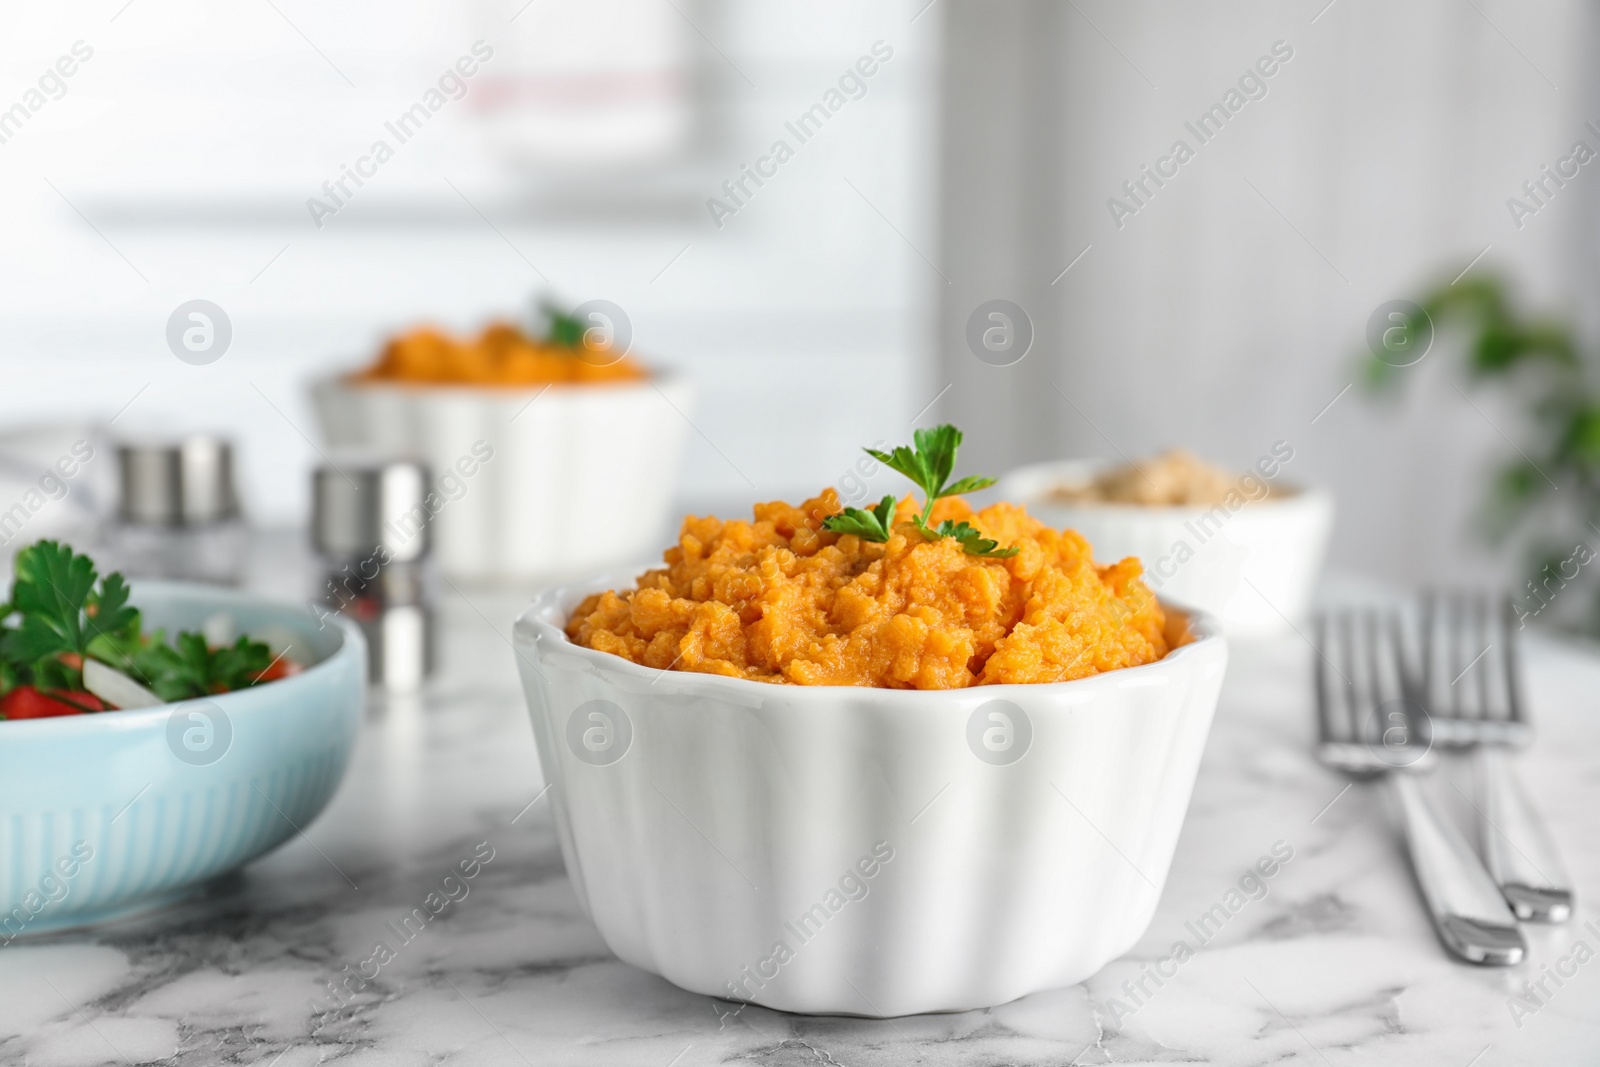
(1550, 493)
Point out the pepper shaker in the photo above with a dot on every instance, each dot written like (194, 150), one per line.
(371, 528)
(178, 513)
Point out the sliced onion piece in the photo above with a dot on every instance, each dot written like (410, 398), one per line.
(116, 688)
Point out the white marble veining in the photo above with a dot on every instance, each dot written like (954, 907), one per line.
(1334, 964)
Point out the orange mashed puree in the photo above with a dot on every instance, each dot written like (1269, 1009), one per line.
(780, 600)
(501, 355)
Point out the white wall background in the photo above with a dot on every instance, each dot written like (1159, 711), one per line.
(1231, 309)
(191, 140)
(1225, 315)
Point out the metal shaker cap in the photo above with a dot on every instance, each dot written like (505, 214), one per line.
(177, 483)
(361, 504)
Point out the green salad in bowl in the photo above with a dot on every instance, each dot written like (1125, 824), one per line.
(161, 749)
(72, 643)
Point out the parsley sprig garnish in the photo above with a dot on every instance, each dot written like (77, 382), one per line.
(973, 540)
(62, 612)
(929, 465)
(562, 329)
(191, 668)
(869, 524)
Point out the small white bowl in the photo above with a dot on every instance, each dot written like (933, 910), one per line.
(580, 477)
(909, 851)
(1254, 567)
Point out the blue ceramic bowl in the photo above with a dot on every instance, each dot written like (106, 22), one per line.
(103, 815)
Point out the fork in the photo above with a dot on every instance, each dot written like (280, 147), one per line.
(1370, 725)
(1472, 691)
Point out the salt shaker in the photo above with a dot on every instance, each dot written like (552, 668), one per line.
(178, 513)
(370, 525)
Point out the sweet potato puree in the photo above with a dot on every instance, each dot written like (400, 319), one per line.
(501, 355)
(779, 600)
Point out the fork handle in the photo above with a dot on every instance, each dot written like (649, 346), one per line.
(1517, 848)
(1465, 904)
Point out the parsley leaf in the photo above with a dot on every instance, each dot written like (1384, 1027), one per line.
(564, 330)
(239, 665)
(929, 464)
(189, 668)
(874, 524)
(51, 589)
(177, 671)
(108, 610)
(973, 540)
(968, 485)
(67, 612)
(62, 614)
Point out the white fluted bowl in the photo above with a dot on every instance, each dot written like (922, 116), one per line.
(1254, 567)
(580, 477)
(707, 821)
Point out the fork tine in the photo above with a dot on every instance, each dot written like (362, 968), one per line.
(1324, 692)
(1457, 625)
(1428, 640)
(1483, 626)
(1490, 679)
(1412, 707)
(1395, 687)
(1509, 663)
(1463, 678)
(1351, 658)
(1383, 680)
(1364, 679)
(1468, 682)
(1458, 619)
(1446, 696)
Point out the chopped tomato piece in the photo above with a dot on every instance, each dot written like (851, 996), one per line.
(282, 667)
(26, 702)
(71, 659)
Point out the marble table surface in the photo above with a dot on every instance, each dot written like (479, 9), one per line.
(1335, 964)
